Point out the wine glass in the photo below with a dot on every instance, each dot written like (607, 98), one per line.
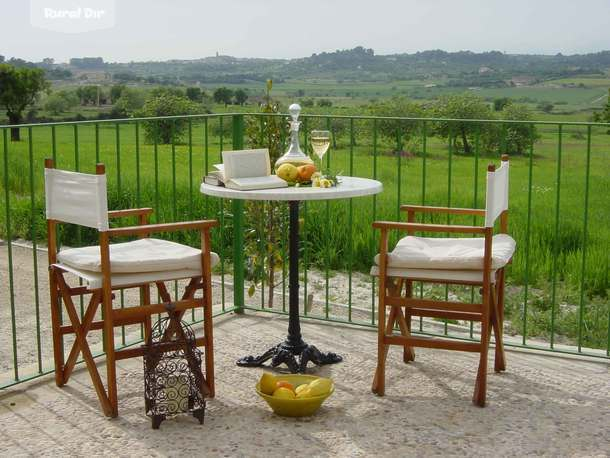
(319, 141)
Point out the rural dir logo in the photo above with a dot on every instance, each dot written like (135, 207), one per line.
(72, 16)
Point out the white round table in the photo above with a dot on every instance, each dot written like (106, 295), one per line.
(294, 347)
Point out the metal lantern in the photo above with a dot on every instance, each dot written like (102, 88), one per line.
(294, 155)
(173, 381)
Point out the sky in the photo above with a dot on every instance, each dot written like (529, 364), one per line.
(140, 30)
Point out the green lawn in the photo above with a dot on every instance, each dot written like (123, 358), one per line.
(550, 264)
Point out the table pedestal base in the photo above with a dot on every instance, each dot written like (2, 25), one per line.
(295, 357)
(293, 352)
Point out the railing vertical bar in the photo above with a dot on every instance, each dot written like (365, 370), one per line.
(78, 228)
(206, 162)
(191, 209)
(398, 171)
(583, 266)
(222, 224)
(34, 236)
(350, 223)
(556, 241)
(374, 215)
(9, 246)
(305, 234)
(97, 143)
(477, 151)
(174, 189)
(156, 157)
(423, 198)
(118, 157)
(449, 176)
(138, 174)
(527, 235)
(328, 241)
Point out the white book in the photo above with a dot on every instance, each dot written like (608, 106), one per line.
(247, 170)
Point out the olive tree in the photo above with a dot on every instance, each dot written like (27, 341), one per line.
(19, 89)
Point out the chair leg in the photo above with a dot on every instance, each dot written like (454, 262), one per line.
(145, 295)
(379, 378)
(405, 321)
(480, 389)
(58, 351)
(108, 332)
(499, 358)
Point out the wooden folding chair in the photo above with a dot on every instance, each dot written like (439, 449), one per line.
(81, 199)
(462, 261)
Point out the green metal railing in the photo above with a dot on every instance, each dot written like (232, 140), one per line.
(560, 215)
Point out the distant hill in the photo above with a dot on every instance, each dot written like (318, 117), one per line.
(464, 68)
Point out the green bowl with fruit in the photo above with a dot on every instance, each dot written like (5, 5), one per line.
(294, 395)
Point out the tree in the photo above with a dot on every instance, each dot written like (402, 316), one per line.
(406, 129)
(240, 97)
(60, 102)
(19, 88)
(88, 95)
(500, 103)
(116, 91)
(166, 104)
(461, 106)
(129, 102)
(195, 94)
(325, 103)
(223, 95)
(518, 137)
(267, 221)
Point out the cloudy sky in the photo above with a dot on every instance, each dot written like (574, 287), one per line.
(187, 29)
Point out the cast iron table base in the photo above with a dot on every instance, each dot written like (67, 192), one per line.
(293, 352)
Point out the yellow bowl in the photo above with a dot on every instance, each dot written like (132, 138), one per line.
(295, 407)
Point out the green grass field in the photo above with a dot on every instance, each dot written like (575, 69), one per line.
(343, 238)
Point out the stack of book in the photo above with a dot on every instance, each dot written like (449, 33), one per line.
(244, 170)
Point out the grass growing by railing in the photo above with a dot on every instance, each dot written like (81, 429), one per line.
(167, 178)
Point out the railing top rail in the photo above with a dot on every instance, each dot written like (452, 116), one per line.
(311, 115)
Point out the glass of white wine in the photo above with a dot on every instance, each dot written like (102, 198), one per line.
(319, 141)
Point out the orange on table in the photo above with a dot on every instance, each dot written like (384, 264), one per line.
(284, 384)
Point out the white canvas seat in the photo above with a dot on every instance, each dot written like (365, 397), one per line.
(445, 259)
(440, 275)
(138, 256)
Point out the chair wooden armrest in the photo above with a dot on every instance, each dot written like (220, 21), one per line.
(167, 227)
(451, 210)
(130, 212)
(420, 227)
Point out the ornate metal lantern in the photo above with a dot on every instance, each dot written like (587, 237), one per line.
(173, 381)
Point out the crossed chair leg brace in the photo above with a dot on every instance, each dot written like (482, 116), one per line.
(489, 313)
(63, 293)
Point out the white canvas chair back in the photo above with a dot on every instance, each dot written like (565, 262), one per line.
(496, 200)
(76, 198)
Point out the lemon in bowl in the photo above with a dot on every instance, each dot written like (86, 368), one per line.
(308, 395)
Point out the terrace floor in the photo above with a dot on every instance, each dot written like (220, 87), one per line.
(543, 405)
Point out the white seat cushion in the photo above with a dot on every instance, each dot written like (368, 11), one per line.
(95, 280)
(138, 256)
(443, 276)
(449, 253)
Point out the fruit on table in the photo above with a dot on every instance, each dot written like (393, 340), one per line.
(267, 383)
(320, 386)
(301, 388)
(284, 384)
(287, 172)
(305, 172)
(304, 393)
(283, 393)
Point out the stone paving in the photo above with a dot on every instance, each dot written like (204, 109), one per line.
(543, 405)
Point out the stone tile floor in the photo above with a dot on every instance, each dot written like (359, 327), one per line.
(543, 405)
